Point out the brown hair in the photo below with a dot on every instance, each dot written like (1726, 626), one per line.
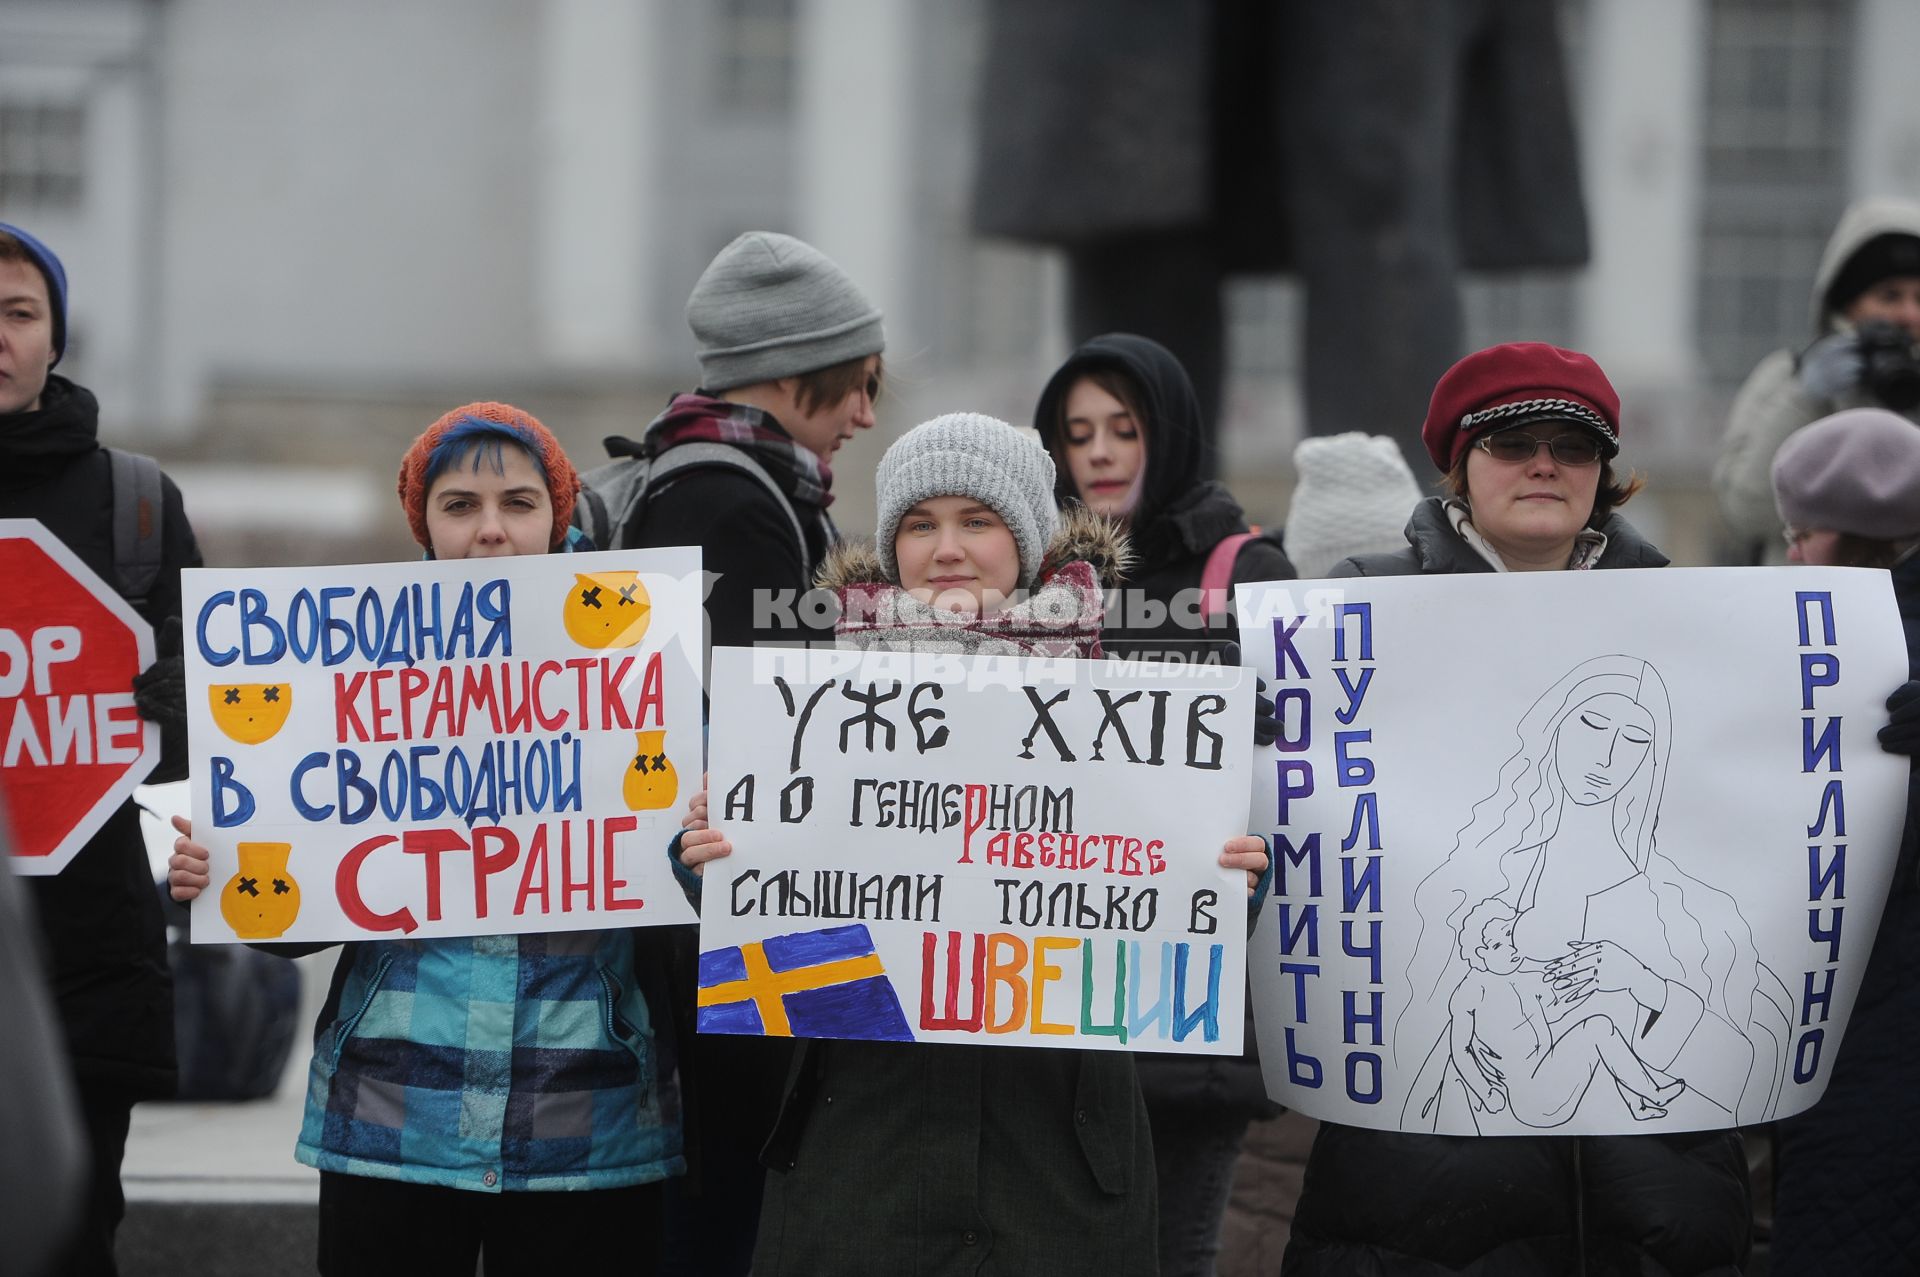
(829, 387)
(1852, 551)
(1608, 497)
(12, 250)
(1114, 381)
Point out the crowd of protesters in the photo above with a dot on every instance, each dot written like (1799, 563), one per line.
(701, 1154)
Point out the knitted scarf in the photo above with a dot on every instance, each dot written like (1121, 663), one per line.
(800, 473)
(1061, 618)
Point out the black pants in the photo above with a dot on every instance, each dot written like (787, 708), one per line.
(106, 1113)
(391, 1228)
(1194, 1151)
(713, 1217)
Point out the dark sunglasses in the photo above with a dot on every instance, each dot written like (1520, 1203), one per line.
(1569, 447)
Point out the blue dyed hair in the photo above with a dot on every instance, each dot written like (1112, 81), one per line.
(480, 439)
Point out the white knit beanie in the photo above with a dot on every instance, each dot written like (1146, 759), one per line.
(1354, 496)
(968, 454)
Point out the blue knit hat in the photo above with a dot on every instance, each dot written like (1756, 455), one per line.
(56, 276)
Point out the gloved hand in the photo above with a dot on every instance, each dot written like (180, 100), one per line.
(1266, 727)
(1832, 367)
(160, 690)
(1901, 735)
(1266, 721)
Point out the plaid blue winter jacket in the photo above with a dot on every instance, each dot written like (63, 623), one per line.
(490, 1063)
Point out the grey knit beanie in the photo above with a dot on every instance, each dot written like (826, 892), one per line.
(1856, 472)
(770, 306)
(968, 454)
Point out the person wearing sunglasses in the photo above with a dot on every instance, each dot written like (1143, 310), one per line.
(1526, 436)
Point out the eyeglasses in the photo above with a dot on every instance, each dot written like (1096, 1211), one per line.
(1569, 447)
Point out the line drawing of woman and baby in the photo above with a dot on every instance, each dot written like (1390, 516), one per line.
(1560, 947)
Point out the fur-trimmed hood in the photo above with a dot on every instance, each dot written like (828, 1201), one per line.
(1083, 537)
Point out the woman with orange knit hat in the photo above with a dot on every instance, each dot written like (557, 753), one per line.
(484, 1096)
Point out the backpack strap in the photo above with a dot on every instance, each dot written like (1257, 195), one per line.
(701, 453)
(590, 515)
(137, 521)
(613, 497)
(1216, 578)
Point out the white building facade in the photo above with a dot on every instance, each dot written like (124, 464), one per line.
(370, 205)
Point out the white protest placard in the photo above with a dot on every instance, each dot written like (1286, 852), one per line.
(1571, 852)
(976, 849)
(443, 748)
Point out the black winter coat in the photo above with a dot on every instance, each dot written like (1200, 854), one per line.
(1184, 535)
(106, 943)
(1179, 520)
(1847, 1171)
(1174, 529)
(746, 545)
(1381, 1204)
(938, 1160)
(730, 1087)
(1433, 546)
(1180, 516)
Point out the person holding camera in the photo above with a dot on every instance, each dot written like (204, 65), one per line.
(1865, 354)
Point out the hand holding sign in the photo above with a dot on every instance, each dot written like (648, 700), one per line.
(187, 873)
(974, 849)
(699, 843)
(454, 747)
(1626, 881)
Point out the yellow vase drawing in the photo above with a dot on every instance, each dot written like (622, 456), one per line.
(262, 900)
(651, 781)
(250, 712)
(607, 609)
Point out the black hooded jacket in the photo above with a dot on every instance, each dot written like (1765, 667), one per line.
(106, 943)
(1433, 546)
(1178, 521)
(1847, 1171)
(1180, 517)
(1383, 1203)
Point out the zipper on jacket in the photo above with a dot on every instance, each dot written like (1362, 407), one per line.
(344, 1029)
(611, 992)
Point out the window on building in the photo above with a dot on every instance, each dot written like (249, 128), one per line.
(754, 64)
(1774, 172)
(42, 154)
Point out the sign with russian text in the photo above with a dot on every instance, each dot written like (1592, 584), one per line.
(75, 748)
(443, 749)
(993, 850)
(1571, 852)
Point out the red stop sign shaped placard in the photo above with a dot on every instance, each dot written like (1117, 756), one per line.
(72, 746)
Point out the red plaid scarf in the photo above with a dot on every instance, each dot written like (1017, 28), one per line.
(800, 474)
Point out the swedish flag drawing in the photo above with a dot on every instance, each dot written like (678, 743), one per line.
(813, 984)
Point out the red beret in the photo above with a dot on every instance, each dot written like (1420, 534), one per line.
(563, 482)
(1514, 383)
